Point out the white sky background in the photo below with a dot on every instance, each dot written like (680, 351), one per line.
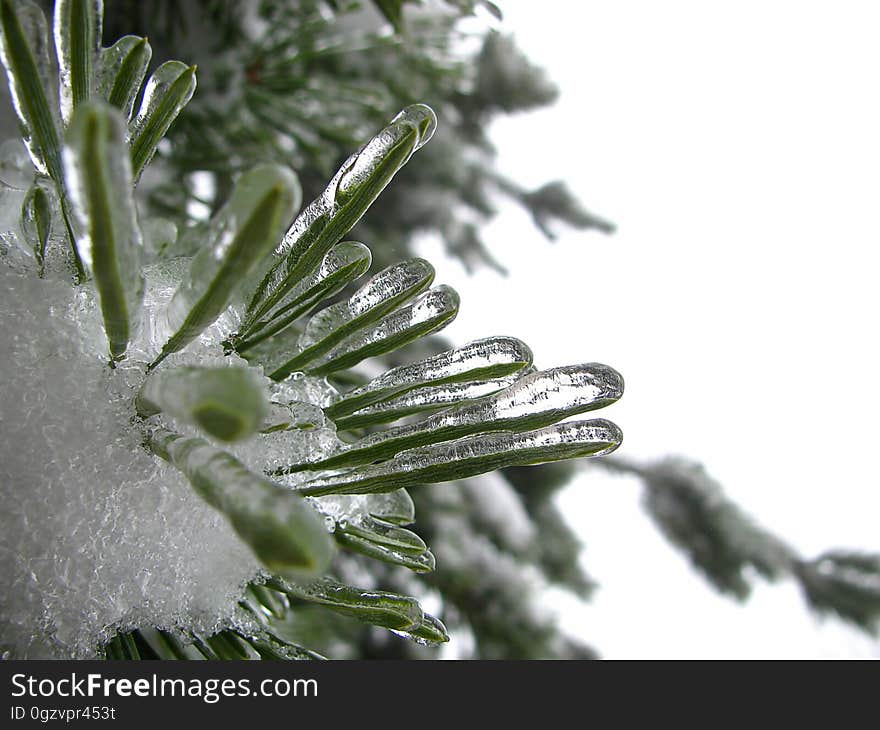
(737, 147)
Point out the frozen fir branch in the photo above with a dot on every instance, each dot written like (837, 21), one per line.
(306, 81)
(845, 584)
(729, 548)
(194, 488)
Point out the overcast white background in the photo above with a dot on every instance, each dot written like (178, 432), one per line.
(737, 147)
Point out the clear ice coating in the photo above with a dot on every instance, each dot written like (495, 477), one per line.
(357, 528)
(77, 33)
(28, 57)
(485, 359)
(166, 92)
(384, 533)
(340, 206)
(108, 238)
(396, 507)
(342, 264)
(16, 168)
(228, 403)
(423, 562)
(431, 631)
(397, 136)
(472, 455)
(380, 294)
(428, 312)
(159, 234)
(379, 608)
(121, 71)
(534, 400)
(429, 398)
(238, 237)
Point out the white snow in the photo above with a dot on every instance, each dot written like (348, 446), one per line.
(97, 533)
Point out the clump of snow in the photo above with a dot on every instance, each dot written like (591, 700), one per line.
(97, 533)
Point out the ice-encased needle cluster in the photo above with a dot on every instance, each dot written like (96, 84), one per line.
(534, 400)
(345, 199)
(334, 326)
(341, 265)
(138, 491)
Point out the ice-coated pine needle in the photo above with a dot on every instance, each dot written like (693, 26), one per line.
(379, 608)
(343, 264)
(431, 631)
(423, 562)
(25, 49)
(36, 219)
(108, 237)
(166, 93)
(122, 68)
(485, 359)
(471, 456)
(77, 31)
(238, 237)
(383, 533)
(283, 530)
(227, 403)
(422, 400)
(383, 292)
(271, 603)
(427, 313)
